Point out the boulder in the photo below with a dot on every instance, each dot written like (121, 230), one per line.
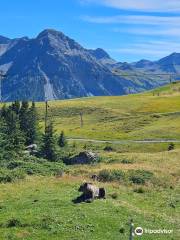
(31, 149)
(86, 157)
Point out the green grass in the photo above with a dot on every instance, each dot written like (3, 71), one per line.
(139, 116)
(42, 207)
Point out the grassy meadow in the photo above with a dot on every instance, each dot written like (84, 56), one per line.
(41, 207)
(142, 180)
(151, 115)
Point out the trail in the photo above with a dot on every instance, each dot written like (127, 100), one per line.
(125, 141)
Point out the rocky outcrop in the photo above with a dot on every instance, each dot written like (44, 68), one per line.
(84, 158)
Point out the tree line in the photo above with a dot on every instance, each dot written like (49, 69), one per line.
(19, 128)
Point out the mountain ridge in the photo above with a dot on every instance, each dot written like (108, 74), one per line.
(54, 66)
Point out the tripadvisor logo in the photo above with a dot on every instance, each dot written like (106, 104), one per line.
(138, 231)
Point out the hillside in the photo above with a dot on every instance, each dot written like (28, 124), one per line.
(150, 115)
(43, 208)
(53, 66)
(141, 180)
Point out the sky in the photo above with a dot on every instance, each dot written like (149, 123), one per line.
(129, 30)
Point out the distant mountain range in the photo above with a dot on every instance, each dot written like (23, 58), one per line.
(53, 66)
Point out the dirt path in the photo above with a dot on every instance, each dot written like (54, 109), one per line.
(125, 141)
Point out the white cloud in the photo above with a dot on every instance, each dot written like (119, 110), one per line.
(156, 49)
(134, 19)
(169, 32)
(140, 5)
(155, 25)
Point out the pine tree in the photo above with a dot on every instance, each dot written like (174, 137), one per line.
(16, 107)
(48, 149)
(62, 142)
(24, 119)
(28, 122)
(14, 136)
(32, 131)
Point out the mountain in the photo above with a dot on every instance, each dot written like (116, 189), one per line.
(102, 56)
(54, 66)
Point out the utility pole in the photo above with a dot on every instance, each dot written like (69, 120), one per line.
(81, 119)
(170, 78)
(46, 114)
(131, 234)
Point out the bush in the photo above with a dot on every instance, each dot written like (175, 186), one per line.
(122, 230)
(7, 176)
(108, 149)
(140, 176)
(127, 161)
(114, 196)
(13, 223)
(111, 175)
(45, 168)
(139, 190)
(62, 142)
(14, 164)
(171, 147)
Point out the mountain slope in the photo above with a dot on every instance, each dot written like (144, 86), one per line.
(54, 66)
(150, 115)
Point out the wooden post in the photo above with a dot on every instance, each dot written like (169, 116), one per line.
(81, 119)
(131, 234)
(170, 79)
(46, 115)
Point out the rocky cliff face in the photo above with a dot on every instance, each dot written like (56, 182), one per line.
(53, 66)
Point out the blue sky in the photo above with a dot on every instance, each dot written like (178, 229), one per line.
(128, 30)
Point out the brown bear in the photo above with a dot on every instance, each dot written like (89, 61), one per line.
(91, 192)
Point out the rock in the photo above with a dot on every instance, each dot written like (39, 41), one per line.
(86, 157)
(31, 149)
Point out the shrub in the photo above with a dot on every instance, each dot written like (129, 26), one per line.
(46, 168)
(127, 161)
(62, 142)
(11, 175)
(13, 222)
(171, 147)
(117, 175)
(14, 164)
(111, 175)
(140, 176)
(104, 176)
(114, 196)
(5, 176)
(139, 190)
(108, 148)
(122, 230)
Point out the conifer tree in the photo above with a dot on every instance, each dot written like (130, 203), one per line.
(24, 119)
(62, 142)
(28, 122)
(48, 149)
(14, 136)
(16, 107)
(32, 131)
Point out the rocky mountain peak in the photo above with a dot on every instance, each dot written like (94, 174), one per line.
(57, 40)
(99, 53)
(4, 40)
